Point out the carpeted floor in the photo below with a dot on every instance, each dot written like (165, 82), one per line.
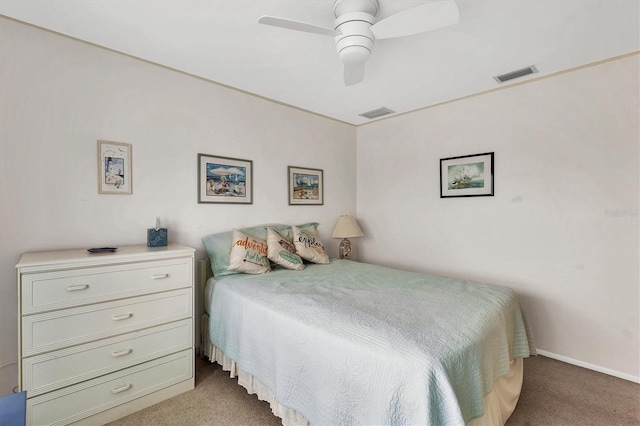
(553, 394)
(560, 394)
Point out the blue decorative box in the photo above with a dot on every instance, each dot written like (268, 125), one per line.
(156, 237)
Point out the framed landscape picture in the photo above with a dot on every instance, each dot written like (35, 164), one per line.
(224, 180)
(467, 176)
(114, 168)
(305, 186)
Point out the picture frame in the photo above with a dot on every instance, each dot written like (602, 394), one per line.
(224, 180)
(114, 168)
(306, 186)
(467, 176)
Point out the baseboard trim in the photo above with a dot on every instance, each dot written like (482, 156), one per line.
(586, 365)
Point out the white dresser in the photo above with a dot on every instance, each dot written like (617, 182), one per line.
(104, 335)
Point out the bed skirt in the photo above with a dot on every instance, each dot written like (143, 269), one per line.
(498, 404)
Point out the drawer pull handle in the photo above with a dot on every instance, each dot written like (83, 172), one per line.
(122, 388)
(159, 276)
(78, 287)
(121, 317)
(121, 353)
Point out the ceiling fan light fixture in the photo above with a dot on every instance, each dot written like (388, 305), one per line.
(354, 54)
(516, 74)
(377, 113)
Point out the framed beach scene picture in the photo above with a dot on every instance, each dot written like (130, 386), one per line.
(467, 176)
(305, 186)
(224, 180)
(114, 168)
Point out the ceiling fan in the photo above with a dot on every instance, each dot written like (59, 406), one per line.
(355, 29)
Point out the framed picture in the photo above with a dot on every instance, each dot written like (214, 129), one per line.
(305, 186)
(224, 180)
(467, 176)
(114, 168)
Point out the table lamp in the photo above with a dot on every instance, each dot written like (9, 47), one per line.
(346, 228)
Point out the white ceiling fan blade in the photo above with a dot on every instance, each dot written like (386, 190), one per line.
(353, 74)
(427, 17)
(297, 25)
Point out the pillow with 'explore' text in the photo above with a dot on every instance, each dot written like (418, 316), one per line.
(309, 247)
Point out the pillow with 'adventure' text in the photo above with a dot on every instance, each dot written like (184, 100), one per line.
(248, 254)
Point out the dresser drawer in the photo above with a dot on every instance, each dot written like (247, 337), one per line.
(59, 329)
(46, 291)
(88, 398)
(43, 373)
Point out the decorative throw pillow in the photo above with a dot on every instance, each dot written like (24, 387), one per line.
(309, 247)
(282, 252)
(219, 249)
(248, 254)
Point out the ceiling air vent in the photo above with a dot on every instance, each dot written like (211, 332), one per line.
(515, 74)
(377, 113)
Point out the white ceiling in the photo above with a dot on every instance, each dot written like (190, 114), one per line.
(221, 41)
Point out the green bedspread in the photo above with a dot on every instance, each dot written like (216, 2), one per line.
(353, 343)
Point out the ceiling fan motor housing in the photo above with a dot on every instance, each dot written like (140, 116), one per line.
(340, 7)
(355, 41)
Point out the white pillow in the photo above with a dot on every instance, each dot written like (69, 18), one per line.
(309, 247)
(282, 252)
(248, 254)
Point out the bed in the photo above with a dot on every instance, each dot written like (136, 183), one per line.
(346, 342)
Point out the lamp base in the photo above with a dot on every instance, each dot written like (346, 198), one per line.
(345, 249)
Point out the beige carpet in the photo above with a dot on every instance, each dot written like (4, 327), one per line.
(554, 393)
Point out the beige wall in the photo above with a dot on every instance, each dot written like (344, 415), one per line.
(562, 228)
(59, 96)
